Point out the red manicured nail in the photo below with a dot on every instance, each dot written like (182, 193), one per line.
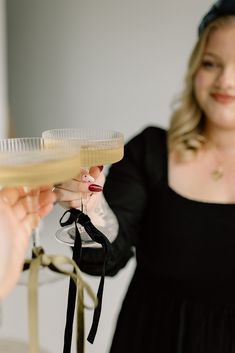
(101, 167)
(95, 188)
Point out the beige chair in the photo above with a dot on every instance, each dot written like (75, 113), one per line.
(8, 345)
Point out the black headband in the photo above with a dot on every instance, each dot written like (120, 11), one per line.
(219, 9)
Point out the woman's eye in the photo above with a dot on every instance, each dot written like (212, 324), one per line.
(208, 64)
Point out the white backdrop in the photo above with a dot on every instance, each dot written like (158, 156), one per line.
(73, 63)
(3, 73)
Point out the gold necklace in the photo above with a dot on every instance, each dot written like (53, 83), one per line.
(217, 173)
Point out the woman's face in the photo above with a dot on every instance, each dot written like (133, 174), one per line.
(214, 84)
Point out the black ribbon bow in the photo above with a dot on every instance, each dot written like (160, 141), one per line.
(77, 216)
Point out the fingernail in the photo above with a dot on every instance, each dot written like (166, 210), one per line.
(87, 178)
(101, 167)
(5, 199)
(95, 188)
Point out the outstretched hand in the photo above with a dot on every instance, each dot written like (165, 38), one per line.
(85, 189)
(16, 225)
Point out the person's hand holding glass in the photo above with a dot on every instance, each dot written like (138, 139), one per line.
(16, 225)
(98, 147)
(84, 195)
(31, 163)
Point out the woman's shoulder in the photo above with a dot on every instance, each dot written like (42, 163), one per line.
(150, 129)
(155, 132)
(149, 136)
(148, 149)
(147, 153)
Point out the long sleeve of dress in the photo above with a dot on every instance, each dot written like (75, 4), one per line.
(126, 190)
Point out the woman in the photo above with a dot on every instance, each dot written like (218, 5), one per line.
(173, 195)
(16, 225)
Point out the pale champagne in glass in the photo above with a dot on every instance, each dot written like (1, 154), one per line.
(98, 147)
(52, 170)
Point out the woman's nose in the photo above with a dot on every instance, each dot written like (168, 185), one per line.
(226, 78)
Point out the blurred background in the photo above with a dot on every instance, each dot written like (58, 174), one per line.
(83, 63)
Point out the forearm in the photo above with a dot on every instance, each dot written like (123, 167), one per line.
(93, 258)
(102, 216)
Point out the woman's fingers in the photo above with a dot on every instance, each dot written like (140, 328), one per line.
(72, 204)
(72, 188)
(10, 195)
(29, 222)
(19, 205)
(21, 208)
(46, 196)
(45, 210)
(99, 176)
(73, 185)
(22, 204)
(95, 171)
(73, 193)
(66, 195)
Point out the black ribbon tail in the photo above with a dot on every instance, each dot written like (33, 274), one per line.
(78, 216)
(71, 303)
(100, 238)
(97, 312)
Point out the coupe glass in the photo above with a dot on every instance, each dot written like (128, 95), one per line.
(97, 147)
(31, 163)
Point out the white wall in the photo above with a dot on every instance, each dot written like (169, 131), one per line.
(106, 62)
(3, 73)
(114, 64)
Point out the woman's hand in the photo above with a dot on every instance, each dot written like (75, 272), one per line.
(16, 225)
(84, 189)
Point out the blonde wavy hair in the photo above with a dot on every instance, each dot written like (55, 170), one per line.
(185, 133)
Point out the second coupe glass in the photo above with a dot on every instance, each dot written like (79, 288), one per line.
(98, 147)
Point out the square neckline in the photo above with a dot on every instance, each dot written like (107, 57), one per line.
(184, 197)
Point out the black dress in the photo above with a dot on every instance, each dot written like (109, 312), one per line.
(181, 298)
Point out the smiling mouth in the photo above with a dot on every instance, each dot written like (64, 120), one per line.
(223, 98)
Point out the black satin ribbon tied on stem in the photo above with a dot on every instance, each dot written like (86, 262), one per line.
(56, 263)
(77, 216)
